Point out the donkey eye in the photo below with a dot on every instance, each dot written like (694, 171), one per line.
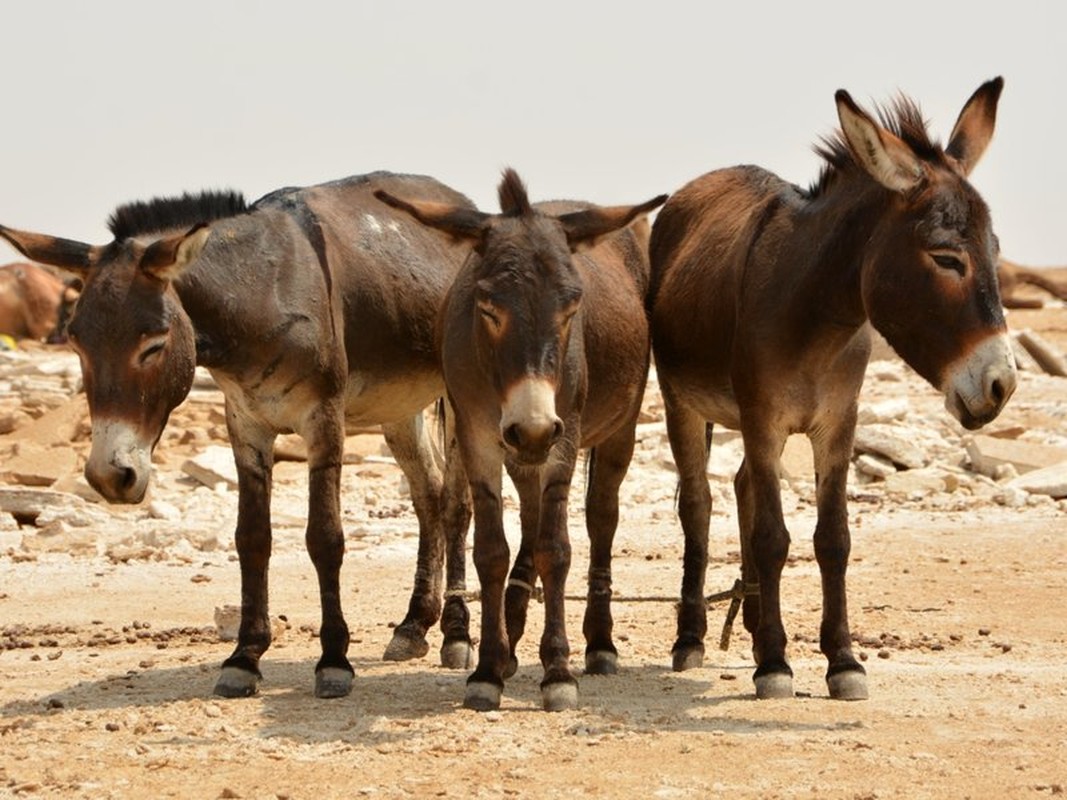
(150, 352)
(949, 260)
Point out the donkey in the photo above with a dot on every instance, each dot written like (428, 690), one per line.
(545, 350)
(314, 310)
(761, 304)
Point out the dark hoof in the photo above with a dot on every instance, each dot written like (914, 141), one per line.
(457, 655)
(848, 685)
(511, 668)
(332, 682)
(406, 646)
(559, 696)
(773, 686)
(482, 696)
(684, 658)
(236, 682)
(601, 662)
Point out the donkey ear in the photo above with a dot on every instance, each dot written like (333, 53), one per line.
(66, 254)
(584, 228)
(883, 156)
(461, 223)
(166, 259)
(974, 128)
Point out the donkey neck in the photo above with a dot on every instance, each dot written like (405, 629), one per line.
(834, 235)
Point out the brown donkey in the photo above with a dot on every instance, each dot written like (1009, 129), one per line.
(761, 300)
(544, 346)
(314, 310)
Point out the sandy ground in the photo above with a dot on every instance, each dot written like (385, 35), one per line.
(109, 652)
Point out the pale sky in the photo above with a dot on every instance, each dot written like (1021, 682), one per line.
(107, 102)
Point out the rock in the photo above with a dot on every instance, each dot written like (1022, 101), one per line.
(213, 466)
(891, 410)
(891, 441)
(989, 453)
(37, 465)
(797, 460)
(1024, 362)
(1047, 357)
(875, 466)
(161, 509)
(922, 481)
(290, 447)
(59, 426)
(28, 504)
(1051, 481)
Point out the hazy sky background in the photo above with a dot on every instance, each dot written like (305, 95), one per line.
(107, 102)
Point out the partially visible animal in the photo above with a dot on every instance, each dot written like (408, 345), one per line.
(762, 301)
(31, 298)
(1012, 275)
(313, 309)
(545, 351)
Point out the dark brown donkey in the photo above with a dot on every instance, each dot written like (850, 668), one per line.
(544, 346)
(314, 310)
(761, 301)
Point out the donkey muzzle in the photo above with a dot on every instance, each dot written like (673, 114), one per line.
(528, 422)
(979, 385)
(119, 462)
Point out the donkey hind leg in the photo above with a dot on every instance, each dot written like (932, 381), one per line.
(607, 467)
(457, 652)
(686, 431)
(254, 456)
(760, 513)
(410, 444)
(522, 579)
(845, 676)
(326, 545)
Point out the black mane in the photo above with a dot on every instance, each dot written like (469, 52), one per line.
(168, 213)
(902, 118)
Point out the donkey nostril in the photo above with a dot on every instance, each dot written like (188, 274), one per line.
(128, 477)
(511, 436)
(557, 430)
(996, 391)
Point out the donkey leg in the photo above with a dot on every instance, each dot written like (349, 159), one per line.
(607, 468)
(552, 559)
(410, 445)
(845, 676)
(486, 684)
(523, 577)
(686, 432)
(770, 548)
(254, 456)
(457, 652)
(326, 545)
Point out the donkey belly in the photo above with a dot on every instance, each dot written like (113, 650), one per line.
(372, 399)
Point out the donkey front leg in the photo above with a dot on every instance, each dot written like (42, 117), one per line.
(253, 451)
(326, 545)
(845, 676)
(552, 559)
(457, 652)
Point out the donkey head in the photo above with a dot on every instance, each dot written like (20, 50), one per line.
(526, 295)
(928, 279)
(135, 342)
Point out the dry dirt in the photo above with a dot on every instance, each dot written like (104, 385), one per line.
(109, 652)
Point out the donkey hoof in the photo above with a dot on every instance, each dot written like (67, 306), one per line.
(405, 647)
(457, 655)
(601, 662)
(848, 685)
(482, 696)
(332, 682)
(236, 682)
(773, 686)
(559, 696)
(687, 658)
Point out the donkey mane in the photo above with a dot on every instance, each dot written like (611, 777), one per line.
(902, 118)
(167, 213)
(514, 200)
